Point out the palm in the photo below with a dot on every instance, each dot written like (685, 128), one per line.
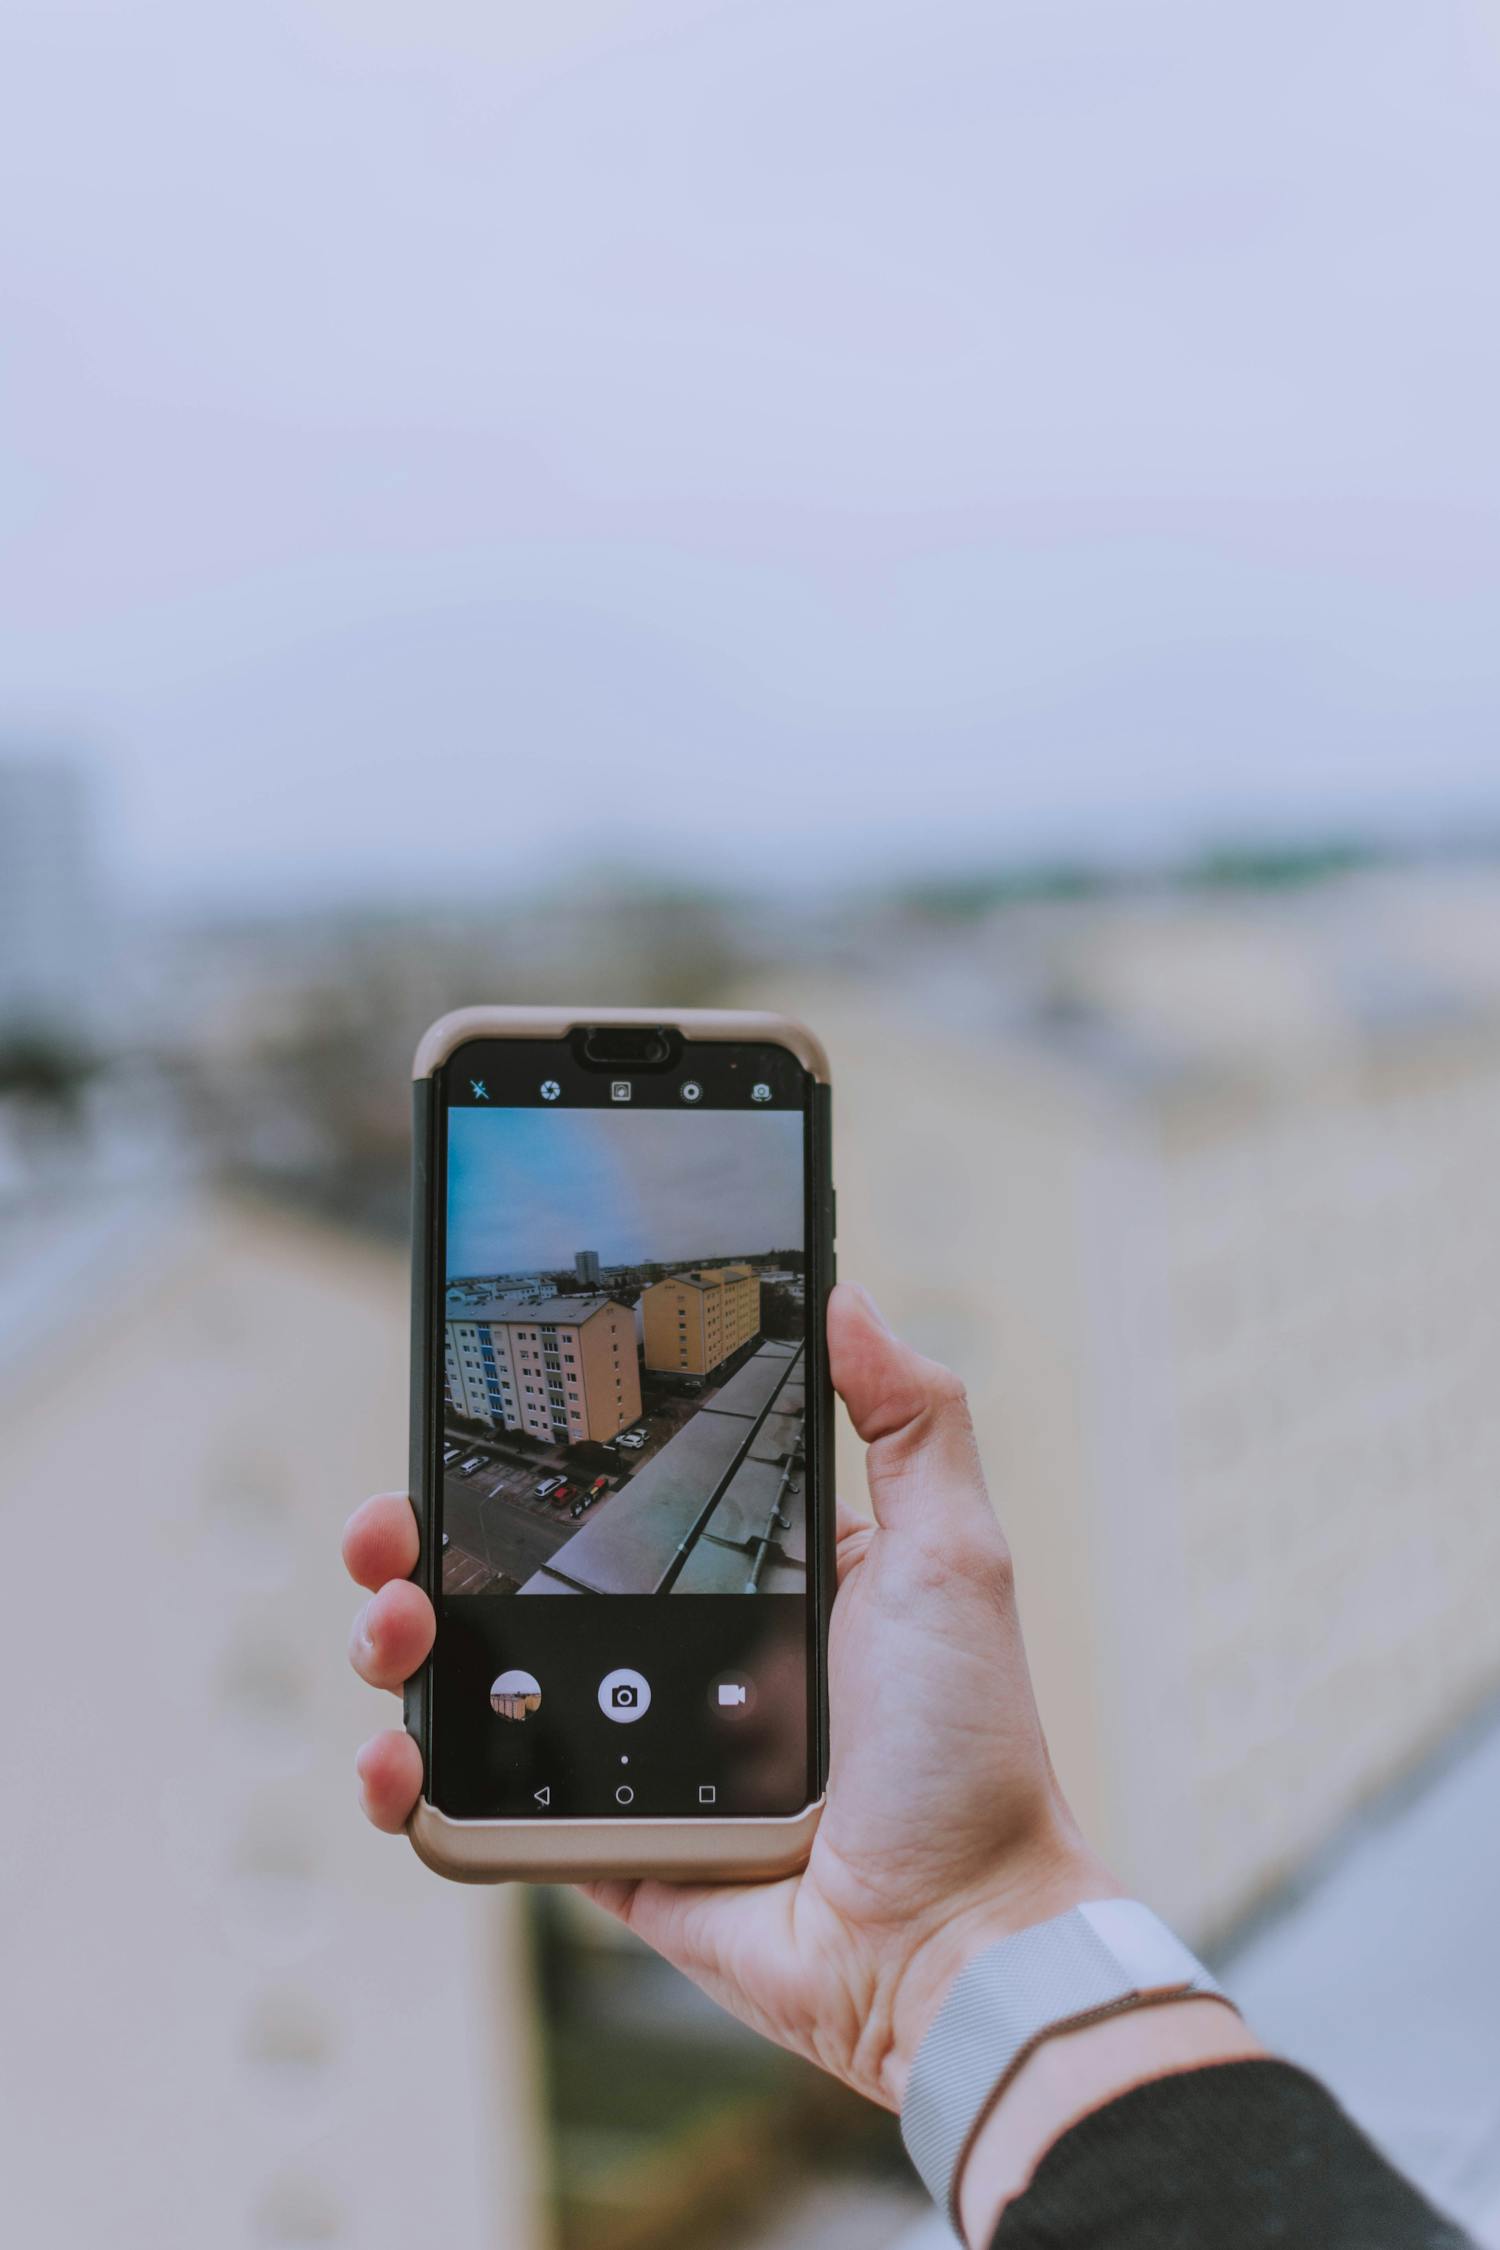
(937, 1765)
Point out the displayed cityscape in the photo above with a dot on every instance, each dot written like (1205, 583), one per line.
(565, 1367)
(623, 1413)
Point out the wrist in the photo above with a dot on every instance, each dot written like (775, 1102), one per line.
(1048, 1884)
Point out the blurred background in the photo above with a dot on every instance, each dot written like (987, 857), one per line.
(978, 526)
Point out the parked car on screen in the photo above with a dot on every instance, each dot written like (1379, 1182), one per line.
(451, 1454)
(547, 1486)
(467, 1468)
(632, 1441)
(561, 1496)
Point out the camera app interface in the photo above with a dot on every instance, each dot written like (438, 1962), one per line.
(624, 1447)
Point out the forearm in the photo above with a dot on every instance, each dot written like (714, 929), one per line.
(1243, 2155)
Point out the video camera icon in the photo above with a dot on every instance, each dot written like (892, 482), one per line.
(732, 1695)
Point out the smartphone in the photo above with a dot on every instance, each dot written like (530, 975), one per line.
(621, 1442)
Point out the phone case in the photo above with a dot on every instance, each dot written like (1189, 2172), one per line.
(491, 1851)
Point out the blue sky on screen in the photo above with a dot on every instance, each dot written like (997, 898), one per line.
(528, 1189)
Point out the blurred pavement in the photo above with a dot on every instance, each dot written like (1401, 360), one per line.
(1383, 1978)
(234, 2016)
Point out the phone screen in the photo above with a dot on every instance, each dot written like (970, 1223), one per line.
(623, 1403)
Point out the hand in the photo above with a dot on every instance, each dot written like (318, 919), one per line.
(944, 1827)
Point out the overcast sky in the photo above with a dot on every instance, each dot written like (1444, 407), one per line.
(750, 436)
(530, 1188)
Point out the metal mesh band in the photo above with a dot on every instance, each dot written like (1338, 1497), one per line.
(1095, 1961)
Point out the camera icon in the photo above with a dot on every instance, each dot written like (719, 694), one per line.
(624, 1696)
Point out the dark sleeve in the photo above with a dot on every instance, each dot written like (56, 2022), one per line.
(1235, 2156)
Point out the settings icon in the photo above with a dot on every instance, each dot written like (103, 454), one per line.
(550, 1089)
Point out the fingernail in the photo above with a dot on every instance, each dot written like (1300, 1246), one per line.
(874, 1310)
(362, 1641)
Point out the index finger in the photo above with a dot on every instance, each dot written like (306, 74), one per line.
(380, 1541)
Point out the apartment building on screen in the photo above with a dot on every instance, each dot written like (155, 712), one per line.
(562, 1371)
(694, 1321)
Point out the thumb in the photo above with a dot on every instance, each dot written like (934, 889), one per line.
(912, 1414)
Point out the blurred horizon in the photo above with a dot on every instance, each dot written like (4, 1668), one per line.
(965, 876)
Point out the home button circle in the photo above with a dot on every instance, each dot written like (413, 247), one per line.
(624, 1795)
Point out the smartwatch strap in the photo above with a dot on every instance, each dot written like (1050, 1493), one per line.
(1098, 1960)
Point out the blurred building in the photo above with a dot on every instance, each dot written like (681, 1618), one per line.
(1201, 1198)
(586, 1266)
(694, 1321)
(234, 2015)
(54, 964)
(562, 1371)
